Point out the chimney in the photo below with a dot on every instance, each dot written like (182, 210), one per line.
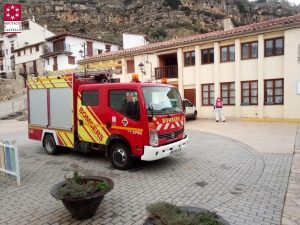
(227, 24)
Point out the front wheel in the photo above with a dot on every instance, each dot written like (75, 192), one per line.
(50, 145)
(120, 156)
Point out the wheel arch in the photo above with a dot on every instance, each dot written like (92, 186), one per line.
(115, 139)
(45, 132)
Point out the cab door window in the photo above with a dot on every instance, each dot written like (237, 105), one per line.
(90, 98)
(125, 102)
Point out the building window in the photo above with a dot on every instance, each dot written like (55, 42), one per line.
(130, 66)
(189, 58)
(107, 48)
(48, 61)
(207, 56)
(71, 60)
(274, 47)
(90, 98)
(250, 50)
(6, 51)
(37, 48)
(24, 51)
(228, 93)
(227, 53)
(274, 92)
(30, 50)
(12, 46)
(249, 92)
(19, 53)
(100, 51)
(208, 92)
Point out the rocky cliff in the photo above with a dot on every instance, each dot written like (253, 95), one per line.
(160, 19)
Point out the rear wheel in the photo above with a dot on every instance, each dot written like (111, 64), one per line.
(120, 156)
(50, 145)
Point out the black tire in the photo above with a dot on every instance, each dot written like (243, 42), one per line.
(50, 145)
(120, 156)
(194, 115)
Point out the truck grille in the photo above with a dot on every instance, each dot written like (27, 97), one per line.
(171, 135)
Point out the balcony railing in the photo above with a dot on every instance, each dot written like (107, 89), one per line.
(166, 72)
(50, 49)
(1, 53)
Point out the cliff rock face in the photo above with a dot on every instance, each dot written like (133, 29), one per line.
(160, 19)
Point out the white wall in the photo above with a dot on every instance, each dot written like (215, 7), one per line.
(291, 73)
(133, 40)
(35, 55)
(248, 69)
(189, 73)
(35, 34)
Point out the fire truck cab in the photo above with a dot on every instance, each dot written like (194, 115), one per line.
(127, 120)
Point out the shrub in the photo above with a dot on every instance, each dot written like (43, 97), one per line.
(163, 213)
(77, 187)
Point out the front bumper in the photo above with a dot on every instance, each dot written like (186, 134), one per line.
(154, 153)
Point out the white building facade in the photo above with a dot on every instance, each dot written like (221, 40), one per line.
(64, 50)
(253, 68)
(32, 34)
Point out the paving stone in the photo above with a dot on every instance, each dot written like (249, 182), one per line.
(213, 172)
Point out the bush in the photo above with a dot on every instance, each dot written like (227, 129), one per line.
(77, 187)
(163, 213)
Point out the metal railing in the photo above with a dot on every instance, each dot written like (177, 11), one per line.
(49, 48)
(166, 72)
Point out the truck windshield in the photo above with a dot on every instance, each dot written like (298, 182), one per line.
(162, 100)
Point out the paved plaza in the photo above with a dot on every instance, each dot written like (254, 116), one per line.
(223, 174)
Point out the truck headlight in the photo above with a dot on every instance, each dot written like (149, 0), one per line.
(153, 137)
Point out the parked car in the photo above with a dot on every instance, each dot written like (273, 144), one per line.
(190, 110)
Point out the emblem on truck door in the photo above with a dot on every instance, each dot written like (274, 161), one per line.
(124, 122)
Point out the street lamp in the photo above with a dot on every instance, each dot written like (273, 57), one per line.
(142, 67)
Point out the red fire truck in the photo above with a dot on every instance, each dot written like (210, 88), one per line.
(127, 120)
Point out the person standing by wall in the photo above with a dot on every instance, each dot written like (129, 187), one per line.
(218, 107)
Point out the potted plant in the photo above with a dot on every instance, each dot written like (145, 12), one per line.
(169, 214)
(82, 195)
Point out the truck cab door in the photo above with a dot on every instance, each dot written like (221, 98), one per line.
(90, 126)
(124, 111)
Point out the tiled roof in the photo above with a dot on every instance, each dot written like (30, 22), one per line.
(251, 28)
(61, 35)
(28, 46)
(72, 35)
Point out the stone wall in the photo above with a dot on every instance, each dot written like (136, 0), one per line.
(10, 88)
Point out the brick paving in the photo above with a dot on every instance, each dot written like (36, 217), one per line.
(214, 172)
(291, 212)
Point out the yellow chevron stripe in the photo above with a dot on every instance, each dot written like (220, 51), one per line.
(92, 126)
(65, 139)
(49, 82)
